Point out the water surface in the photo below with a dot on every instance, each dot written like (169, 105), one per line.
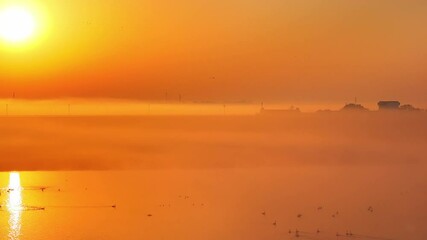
(217, 203)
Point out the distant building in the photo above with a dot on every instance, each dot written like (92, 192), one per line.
(388, 105)
(409, 107)
(353, 107)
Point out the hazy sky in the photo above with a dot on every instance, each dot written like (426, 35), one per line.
(272, 50)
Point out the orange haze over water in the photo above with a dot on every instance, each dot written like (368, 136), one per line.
(163, 97)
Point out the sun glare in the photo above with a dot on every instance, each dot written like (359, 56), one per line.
(14, 205)
(16, 24)
(14, 181)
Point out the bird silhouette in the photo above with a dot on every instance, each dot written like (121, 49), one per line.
(297, 233)
(348, 233)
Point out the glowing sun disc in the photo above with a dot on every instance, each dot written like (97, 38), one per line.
(16, 24)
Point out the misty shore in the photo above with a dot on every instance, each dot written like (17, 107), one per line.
(157, 142)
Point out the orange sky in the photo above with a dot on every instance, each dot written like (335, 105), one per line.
(271, 50)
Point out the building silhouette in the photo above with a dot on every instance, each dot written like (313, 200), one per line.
(388, 105)
(354, 107)
(409, 107)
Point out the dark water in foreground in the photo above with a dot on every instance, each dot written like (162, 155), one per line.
(218, 204)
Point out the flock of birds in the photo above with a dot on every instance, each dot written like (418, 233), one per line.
(298, 233)
(9, 190)
(184, 197)
(293, 233)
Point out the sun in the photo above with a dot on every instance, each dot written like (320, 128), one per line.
(17, 24)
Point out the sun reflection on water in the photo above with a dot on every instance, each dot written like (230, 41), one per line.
(14, 205)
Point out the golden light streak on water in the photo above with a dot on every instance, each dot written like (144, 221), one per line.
(14, 205)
